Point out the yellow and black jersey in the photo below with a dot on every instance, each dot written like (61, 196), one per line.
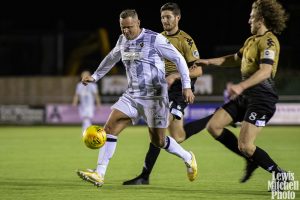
(186, 46)
(263, 49)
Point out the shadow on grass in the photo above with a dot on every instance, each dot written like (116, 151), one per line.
(38, 183)
(170, 190)
(110, 188)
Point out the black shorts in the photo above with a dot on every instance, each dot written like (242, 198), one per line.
(177, 104)
(255, 110)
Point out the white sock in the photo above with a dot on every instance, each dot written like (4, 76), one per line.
(173, 147)
(105, 154)
(86, 122)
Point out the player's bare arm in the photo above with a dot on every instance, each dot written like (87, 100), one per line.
(225, 61)
(75, 100)
(262, 74)
(193, 71)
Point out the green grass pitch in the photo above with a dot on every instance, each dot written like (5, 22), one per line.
(40, 162)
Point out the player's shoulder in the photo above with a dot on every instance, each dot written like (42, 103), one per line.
(249, 39)
(270, 36)
(179, 34)
(79, 84)
(184, 35)
(150, 32)
(269, 39)
(187, 41)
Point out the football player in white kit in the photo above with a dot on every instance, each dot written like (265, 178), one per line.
(86, 97)
(142, 52)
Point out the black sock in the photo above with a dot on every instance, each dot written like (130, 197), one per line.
(196, 126)
(230, 141)
(150, 160)
(263, 159)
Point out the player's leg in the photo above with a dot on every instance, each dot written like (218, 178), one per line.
(253, 124)
(157, 127)
(176, 129)
(216, 127)
(246, 145)
(221, 119)
(150, 159)
(122, 115)
(86, 115)
(86, 122)
(196, 126)
(177, 132)
(117, 121)
(168, 143)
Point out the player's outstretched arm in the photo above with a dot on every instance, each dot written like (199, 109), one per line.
(225, 61)
(194, 72)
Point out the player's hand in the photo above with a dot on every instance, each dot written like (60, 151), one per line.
(235, 90)
(87, 79)
(188, 95)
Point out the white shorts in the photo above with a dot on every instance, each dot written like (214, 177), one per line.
(154, 111)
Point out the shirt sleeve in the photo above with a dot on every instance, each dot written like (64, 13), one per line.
(168, 51)
(190, 51)
(108, 62)
(267, 50)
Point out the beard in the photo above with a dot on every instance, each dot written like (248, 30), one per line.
(168, 27)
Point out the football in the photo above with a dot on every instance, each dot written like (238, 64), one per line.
(94, 137)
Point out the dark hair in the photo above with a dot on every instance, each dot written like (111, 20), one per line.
(128, 13)
(273, 13)
(171, 7)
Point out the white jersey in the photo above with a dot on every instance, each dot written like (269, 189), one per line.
(86, 98)
(143, 58)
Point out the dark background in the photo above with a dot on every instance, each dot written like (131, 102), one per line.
(38, 37)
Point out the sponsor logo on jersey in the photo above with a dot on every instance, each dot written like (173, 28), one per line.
(132, 56)
(196, 54)
(260, 123)
(269, 54)
(167, 41)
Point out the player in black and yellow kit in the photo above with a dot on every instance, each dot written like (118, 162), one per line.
(253, 100)
(170, 16)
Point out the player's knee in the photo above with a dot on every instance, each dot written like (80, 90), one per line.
(246, 149)
(108, 129)
(160, 143)
(179, 138)
(213, 129)
(178, 134)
